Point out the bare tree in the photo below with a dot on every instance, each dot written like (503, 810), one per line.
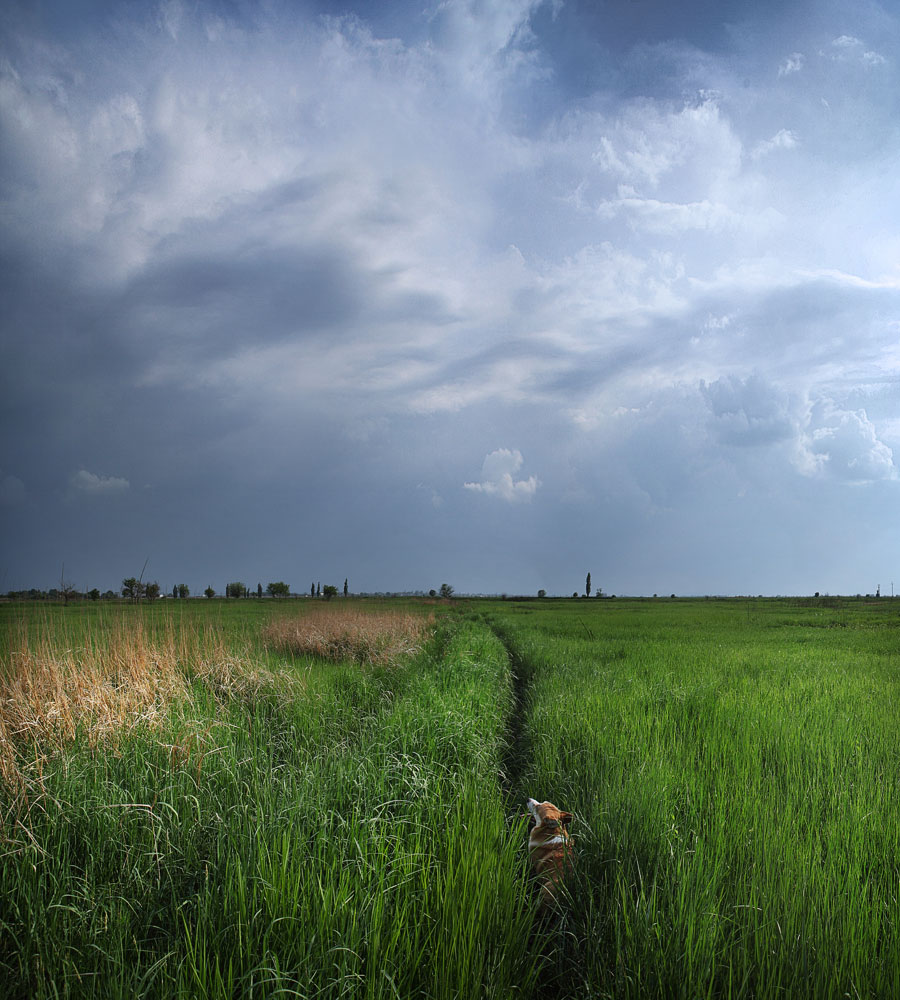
(66, 587)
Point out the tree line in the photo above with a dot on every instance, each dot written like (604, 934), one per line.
(136, 590)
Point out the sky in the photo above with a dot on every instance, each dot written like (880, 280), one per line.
(488, 293)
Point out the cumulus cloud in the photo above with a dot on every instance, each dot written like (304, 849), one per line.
(749, 411)
(844, 445)
(90, 484)
(497, 477)
(647, 145)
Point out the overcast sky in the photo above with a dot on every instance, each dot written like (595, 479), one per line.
(486, 292)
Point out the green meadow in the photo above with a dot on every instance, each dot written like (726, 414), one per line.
(311, 799)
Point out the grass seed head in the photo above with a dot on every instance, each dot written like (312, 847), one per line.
(382, 637)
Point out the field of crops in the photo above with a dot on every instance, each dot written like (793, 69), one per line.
(300, 799)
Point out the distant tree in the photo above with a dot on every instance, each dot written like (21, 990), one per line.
(175, 590)
(278, 589)
(236, 589)
(312, 590)
(109, 595)
(542, 593)
(132, 589)
(318, 590)
(587, 586)
(259, 590)
(209, 593)
(329, 591)
(575, 594)
(94, 594)
(432, 593)
(66, 588)
(183, 590)
(446, 591)
(345, 587)
(151, 591)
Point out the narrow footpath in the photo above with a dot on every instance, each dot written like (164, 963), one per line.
(515, 756)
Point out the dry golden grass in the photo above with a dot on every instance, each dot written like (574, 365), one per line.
(232, 673)
(336, 633)
(119, 681)
(122, 677)
(47, 694)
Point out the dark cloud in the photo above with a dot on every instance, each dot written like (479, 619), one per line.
(222, 299)
(475, 294)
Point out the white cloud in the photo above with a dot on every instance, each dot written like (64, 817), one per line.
(749, 411)
(792, 64)
(12, 491)
(647, 144)
(843, 445)
(497, 472)
(93, 485)
(660, 217)
(848, 48)
(783, 139)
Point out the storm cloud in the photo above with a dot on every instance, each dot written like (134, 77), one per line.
(486, 294)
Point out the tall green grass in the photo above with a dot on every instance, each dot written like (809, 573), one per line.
(346, 841)
(287, 826)
(735, 774)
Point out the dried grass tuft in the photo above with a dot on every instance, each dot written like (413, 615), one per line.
(101, 690)
(372, 637)
(120, 681)
(231, 673)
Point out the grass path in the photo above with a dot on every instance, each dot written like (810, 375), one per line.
(349, 840)
(736, 783)
(273, 823)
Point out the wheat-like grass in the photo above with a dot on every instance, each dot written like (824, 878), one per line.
(100, 689)
(232, 672)
(112, 683)
(372, 637)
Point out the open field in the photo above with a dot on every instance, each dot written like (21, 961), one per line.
(734, 767)
(211, 800)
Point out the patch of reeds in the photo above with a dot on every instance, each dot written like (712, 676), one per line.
(49, 692)
(371, 637)
(112, 682)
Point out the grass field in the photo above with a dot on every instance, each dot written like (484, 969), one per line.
(266, 799)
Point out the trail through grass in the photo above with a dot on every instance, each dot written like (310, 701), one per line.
(346, 841)
(736, 780)
(232, 801)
